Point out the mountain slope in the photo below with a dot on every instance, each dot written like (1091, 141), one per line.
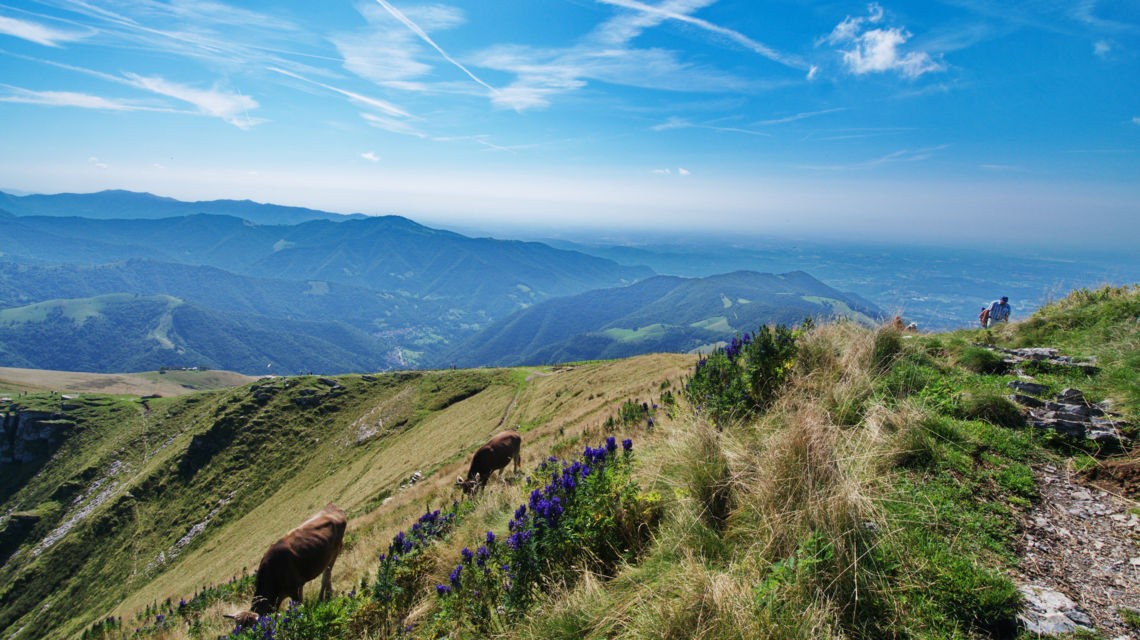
(139, 503)
(657, 314)
(126, 332)
(128, 204)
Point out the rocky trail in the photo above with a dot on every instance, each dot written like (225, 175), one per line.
(1080, 567)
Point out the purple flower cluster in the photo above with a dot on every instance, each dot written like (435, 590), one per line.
(428, 527)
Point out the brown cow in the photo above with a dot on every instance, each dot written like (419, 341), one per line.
(495, 455)
(302, 554)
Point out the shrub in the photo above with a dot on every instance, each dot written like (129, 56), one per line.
(590, 515)
(743, 379)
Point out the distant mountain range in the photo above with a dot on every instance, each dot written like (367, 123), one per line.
(659, 314)
(129, 204)
(117, 281)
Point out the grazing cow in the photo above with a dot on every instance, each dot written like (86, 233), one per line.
(302, 554)
(495, 455)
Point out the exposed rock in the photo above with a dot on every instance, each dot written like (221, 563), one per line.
(1026, 401)
(1051, 613)
(31, 435)
(1045, 356)
(1032, 388)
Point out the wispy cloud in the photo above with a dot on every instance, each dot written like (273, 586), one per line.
(666, 12)
(876, 49)
(392, 125)
(1136, 120)
(72, 99)
(1003, 168)
(414, 28)
(370, 156)
(360, 99)
(1102, 49)
(230, 106)
(95, 162)
(38, 33)
(680, 171)
(607, 54)
(800, 116)
(681, 123)
(895, 157)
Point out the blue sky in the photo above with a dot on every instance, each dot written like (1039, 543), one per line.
(941, 121)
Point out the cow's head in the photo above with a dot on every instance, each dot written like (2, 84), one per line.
(469, 485)
(243, 619)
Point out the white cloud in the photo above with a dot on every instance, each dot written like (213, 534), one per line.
(679, 10)
(370, 156)
(71, 99)
(392, 125)
(1102, 48)
(95, 162)
(681, 171)
(1136, 120)
(37, 33)
(229, 106)
(418, 31)
(662, 172)
(877, 50)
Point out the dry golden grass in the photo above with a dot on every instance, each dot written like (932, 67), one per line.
(552, 406)
(173, 383)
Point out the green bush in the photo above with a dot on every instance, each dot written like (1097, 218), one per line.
(744, 378)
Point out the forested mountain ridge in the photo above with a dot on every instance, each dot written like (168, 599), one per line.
(663, 313)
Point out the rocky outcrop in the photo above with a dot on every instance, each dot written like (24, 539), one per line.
(31, 435)
(1045, 357)
(1069, 413)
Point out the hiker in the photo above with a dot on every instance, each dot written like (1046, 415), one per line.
(999, 310)
(897, 323)
(984, 317)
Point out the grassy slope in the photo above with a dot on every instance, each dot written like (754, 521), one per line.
(169, 383)
(255, 463)
(879, 497)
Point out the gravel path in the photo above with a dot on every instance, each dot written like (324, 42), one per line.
(1081, 557)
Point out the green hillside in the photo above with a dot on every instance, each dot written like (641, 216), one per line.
(851, 482)
(663, 313)
(126, 332)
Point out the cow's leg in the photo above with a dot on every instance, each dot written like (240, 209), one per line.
(326, 583)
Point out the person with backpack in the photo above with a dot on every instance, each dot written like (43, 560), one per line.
(984, 317)
(999, 311)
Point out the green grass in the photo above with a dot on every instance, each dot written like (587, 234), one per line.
(634, 335)
(878, 495)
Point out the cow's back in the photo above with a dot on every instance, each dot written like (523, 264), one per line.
(317, 542)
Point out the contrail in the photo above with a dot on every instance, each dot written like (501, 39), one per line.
(397, 14)
(739, 38)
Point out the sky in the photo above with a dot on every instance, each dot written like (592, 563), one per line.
(934, 122)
